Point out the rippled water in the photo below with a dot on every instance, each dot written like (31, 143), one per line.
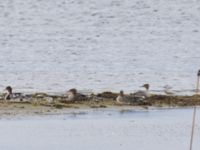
(102, 45)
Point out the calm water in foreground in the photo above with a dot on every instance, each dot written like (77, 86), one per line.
(166, 129)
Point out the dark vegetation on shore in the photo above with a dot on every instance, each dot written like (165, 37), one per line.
(102, 100)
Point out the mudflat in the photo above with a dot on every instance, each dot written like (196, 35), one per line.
(42, 104)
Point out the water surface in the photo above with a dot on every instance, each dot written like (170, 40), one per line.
(102, 129)
(100, 45)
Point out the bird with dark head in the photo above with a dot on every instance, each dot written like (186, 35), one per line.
(124, 99)
(121, 93)
(120, 97)
(141, 94)
(73, 95)
(146, 86)
(74, 91)
(8, 93)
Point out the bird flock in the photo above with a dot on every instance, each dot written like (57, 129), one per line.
(73, 95)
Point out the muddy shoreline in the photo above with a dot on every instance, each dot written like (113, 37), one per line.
(44, 104)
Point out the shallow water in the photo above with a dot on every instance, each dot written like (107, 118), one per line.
(101, 45)
(102, 129)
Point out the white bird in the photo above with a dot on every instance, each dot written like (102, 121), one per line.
(141, 94)
(167, 90)
(122, 99)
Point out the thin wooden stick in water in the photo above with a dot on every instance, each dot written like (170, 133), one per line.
(197, 90)
(198, 78)
(193, 125)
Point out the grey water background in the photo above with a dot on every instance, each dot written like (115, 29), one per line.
(52, 46)
(103, 129)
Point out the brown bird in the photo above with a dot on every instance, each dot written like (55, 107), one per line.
(73, 95)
